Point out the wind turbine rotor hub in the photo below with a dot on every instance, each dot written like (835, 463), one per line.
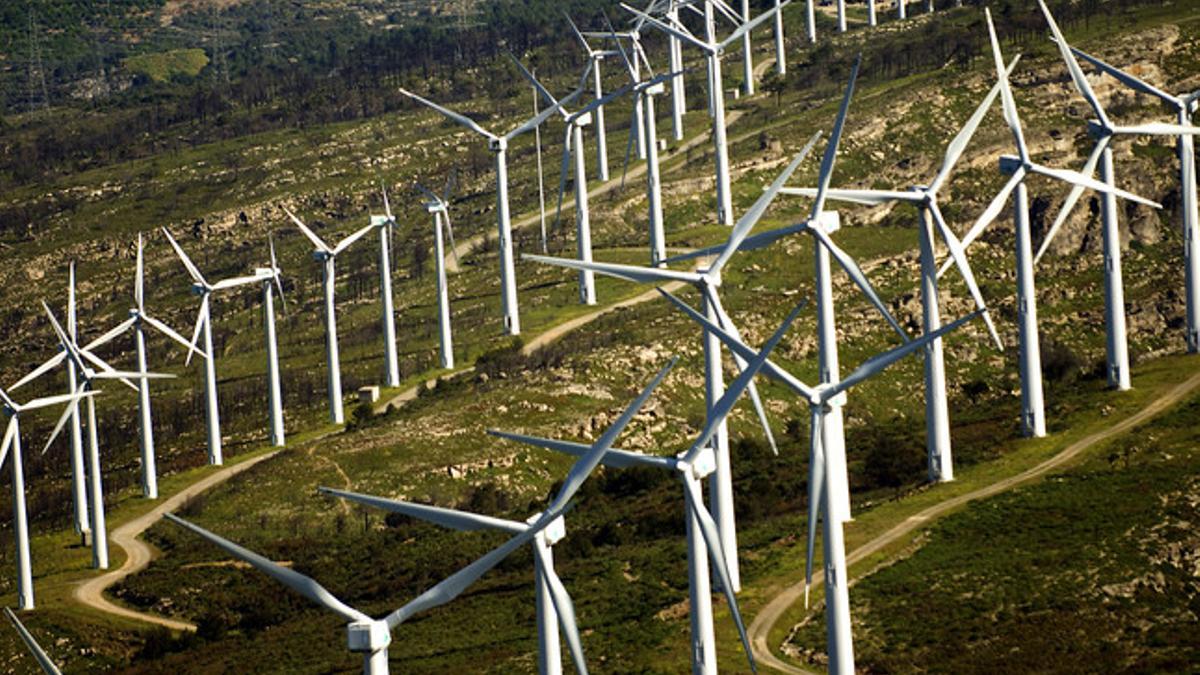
(1097, 130)
(380, 221)
(704, 465)
(1010, 164)
(321, 256)
(199, 289)
(497, 144)
(368, 636)
(553, 533)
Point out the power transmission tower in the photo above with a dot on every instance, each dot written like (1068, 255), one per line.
(37, 74)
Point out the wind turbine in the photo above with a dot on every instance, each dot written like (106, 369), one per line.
(1185, 106)
(704, 540)
(1033, 414)
(499, 146)
(780, 50)
(39, 654)
(387, 226)
(678, 89)
(829, 492)
(271, 282)
(925, 198)
(439, 207)
(634, 35)
(707, 282)
(573, 148)
(371, 637)
(12, 441)
(595, 58)
(1104, 131)
(713, 49)
(326, 255)
(203, 330)
(88, 375)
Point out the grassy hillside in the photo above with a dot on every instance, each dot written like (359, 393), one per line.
(624, 558)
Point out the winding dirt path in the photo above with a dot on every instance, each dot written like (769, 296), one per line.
(766, 619)
(138, 554)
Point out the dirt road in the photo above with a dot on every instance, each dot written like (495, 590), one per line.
(766, 619)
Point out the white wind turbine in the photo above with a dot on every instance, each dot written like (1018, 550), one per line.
(573, 148)
(12, 441)
(371, 637)
(713, 49)
(387, 226)
(1033, 414)
(499, 146)
(925, 198)
(634, 36)
(828, 483)
(88, 375)
(138, 320)
(707, 282)
(1184, 106)
(439, 207)
(678, 88)
(35, 649)
(596, 57)
(272, 282)
(1104, 131)
(327, 255)
(203, 330)
(780, 50)
(704, 540)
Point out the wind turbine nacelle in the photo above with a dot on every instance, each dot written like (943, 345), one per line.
(1009, 164)
(198, 289)
(656, 89)
(368, 636)
(432, 207)
(497, 144)
(321, 256)
(1097, 130)
(705, 464)
(379, 221)
(554, 532)
(584, 120)
(830, 221)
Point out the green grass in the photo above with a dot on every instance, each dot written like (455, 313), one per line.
(163, 66)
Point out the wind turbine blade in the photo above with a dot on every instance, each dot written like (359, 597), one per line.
(387, 205)
(827, 162)
(617, 459)
(349, 241)
(723, 405)
(861, 197)
(752, 24)
(727, 323)
(856, 275)
(751, 243)
(68, 344)
(450, 114)
(312, 236)
(183, 257)
(34, 648)
(1077, 178)
(236, 282)
(620, 47)
(1089, 170)
(537, 120)
(50, 401)
(877, 364)
(1127, 79)
(46, 367)
(1077, 76)
(294, 580)
(816, 491)
(139, 277)
(582, 40)
(564, 608)
(959, 255)
(1010, 107)
(562, 176)
(452, 586)
(448, 518)
(959, 144)
(71, 313)
(603, 100)
(10, 432)
(588, 462)
(450, 231)
(1158, 129)
(112, 334)
(633, 132)
(643, 275)
(553, 102)
(71, 408)
(275, 263)
(989, 214)
(170, 332)
(712, 538)
(749, 219)
(201, 319)
(741, 349)
(8, 400)
(679, 32)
